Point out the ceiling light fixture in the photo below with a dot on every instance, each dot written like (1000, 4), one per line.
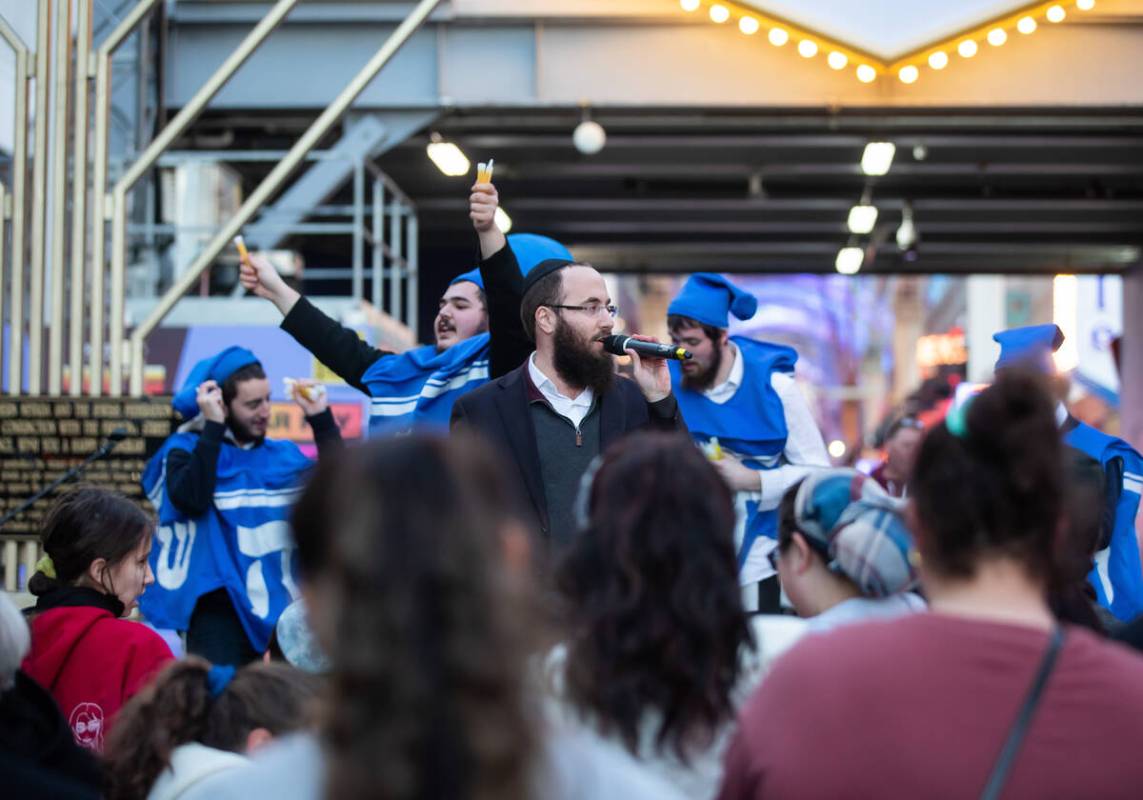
(447, 156)
(997, 37)
(748, 25)
(862, 218)
(849, 260)
(877, 158)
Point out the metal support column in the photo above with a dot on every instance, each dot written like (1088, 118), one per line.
(79, 196)
(378, 241)
(412, 273)
(358, 230)
(56, 266)
(39, 199)
(282, 170)
(396, 260)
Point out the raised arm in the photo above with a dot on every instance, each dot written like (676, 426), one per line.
(503, 284)
(336, 346)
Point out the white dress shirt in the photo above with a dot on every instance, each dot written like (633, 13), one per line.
(805, 452)
(573, 409)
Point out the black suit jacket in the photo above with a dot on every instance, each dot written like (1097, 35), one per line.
(499, 411)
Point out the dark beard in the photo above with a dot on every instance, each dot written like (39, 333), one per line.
(578, 365)
(705, 379)
(241, 433)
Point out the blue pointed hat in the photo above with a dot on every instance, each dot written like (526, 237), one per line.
(710, 299)
(472, 276)
(531, 248)
(217, 368)
(1031, 346)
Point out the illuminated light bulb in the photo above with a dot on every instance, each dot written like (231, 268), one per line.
(909, 74)
(837, 60)
(877, 158)
(748, 25)
(939, 59)
(837, 448)
(849, 260)
(1026, 25)
(779, 36)
(1085, 5)
(1056, 14)
(866, 73)
(719, 14)
(448, 158)
(807, 49)
(967, 48)
(997, 37)
(689, 5)
(861, 219)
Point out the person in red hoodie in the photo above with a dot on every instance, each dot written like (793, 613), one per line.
(95, 568)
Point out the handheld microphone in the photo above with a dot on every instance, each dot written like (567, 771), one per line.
(619, 345)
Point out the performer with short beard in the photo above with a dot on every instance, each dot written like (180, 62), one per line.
(564, 405)
(741, 392)
(222, 490)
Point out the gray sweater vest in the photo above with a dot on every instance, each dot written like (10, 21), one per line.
(565, 454)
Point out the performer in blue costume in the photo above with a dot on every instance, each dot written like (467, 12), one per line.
(416, 389)
(740, 402)
(1117, 576)
(223, 554)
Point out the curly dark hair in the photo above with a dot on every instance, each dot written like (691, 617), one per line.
(402, 540)
(997, 489)
(656, 615)
(177, 708)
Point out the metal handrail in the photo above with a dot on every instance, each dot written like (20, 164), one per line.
(166, 137)
(99, 182)
(272, 183)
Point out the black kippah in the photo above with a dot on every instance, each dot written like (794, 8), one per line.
(543, 270)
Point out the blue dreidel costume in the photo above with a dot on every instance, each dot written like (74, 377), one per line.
(243, 542)
(751, 425)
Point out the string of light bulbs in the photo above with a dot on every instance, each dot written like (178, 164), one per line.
(866, 67)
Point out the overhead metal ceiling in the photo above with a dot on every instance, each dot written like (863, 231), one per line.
(998, 190)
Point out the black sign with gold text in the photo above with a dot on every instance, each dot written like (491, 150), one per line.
(41, 438)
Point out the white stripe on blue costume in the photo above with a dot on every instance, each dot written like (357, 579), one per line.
(242, 543)
(416, 389)
(751, 426)
(1118, 575)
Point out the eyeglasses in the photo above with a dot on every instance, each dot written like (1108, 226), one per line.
(592, 308)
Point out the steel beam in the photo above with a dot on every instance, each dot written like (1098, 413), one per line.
(39, 199)
(57, 264)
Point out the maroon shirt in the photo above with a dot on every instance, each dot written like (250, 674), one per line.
(920, 707)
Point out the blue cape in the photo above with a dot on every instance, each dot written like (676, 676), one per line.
(242, 543)
(416, 389)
